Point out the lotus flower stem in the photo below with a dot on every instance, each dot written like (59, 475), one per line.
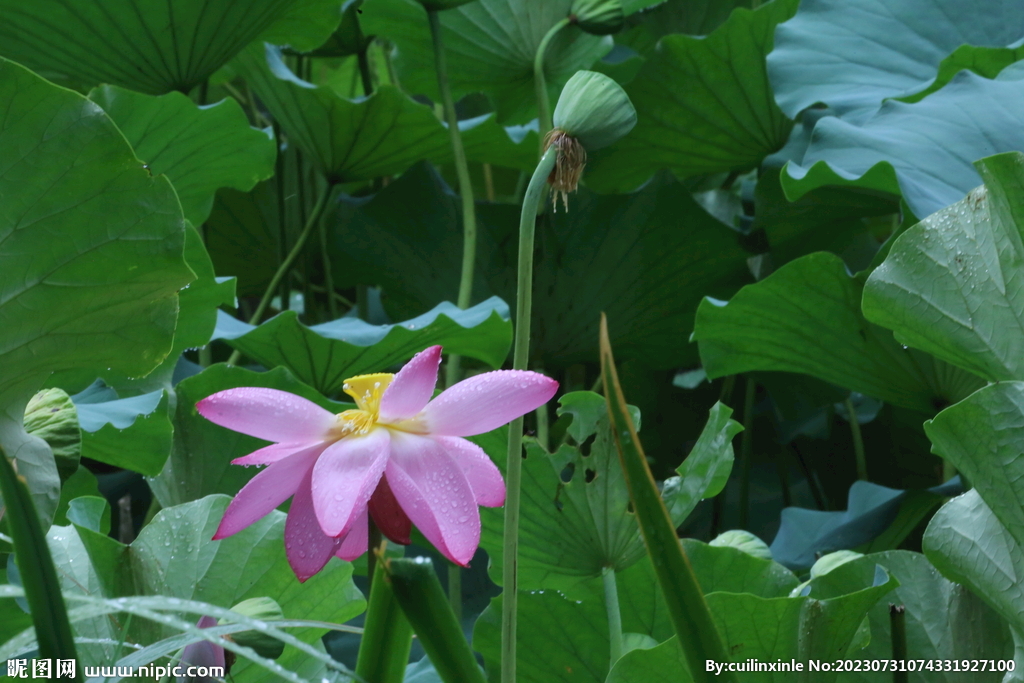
(611, 603)
(540, 82)
(746, 450)
(282, 270)
(454, 369)
(858, 440)
(521, 355)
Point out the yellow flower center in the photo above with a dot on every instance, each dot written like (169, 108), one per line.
(367, 391)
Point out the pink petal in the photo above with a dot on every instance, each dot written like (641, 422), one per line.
(388, 514)
(267, 490)
(267, 414)
(357, 540)
(308, 548)
(204, 653)
(344, 478)
(485, 402)
(412, 387)
(481, 472)
(434, 493)
(272, 453)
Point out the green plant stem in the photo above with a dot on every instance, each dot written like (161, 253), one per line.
(611, 603)
(540, 80)
(387, 637)
(282, 270)
(426, 607)
(364, 71)
(455, 590)
(373, 541)
(543, 427)
(535, 192)
(746, 450)
(858, 441)
(332, 305)
(898, 631)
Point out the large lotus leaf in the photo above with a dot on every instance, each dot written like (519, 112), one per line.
(806, 318)
(662, 664)
(982, 437)
(966, 542)
(197, 316)
(972, 116)
(105, 293)
(697, 18)
(872, 510)
(825, 219)
(201, 454)
(703, 105)
(371, 137)
(819, 624)
(558, 640)
(133, 433)
(307, 25)
(199, 149)
(566, 640)
(943, 620)
(984, 61)
(242, 236)
(490, 47)
(952, 285)
(173, 556)
(144, 45)
(646, 259)
(324, 356)
(575, 518)
(852, 54)
(724, 569)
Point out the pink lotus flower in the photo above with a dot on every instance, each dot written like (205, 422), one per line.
(398, 456)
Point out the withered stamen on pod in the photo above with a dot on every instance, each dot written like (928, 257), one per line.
(569, 163)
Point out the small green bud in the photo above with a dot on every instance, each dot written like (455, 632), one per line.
(600, 17)
(438, 5)
(264, 609)
(745, 541)
(52, 417)
(594, 109)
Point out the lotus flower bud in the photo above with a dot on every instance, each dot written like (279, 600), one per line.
(600, 17)
(52, 417)
(264, 609)
(593, 111)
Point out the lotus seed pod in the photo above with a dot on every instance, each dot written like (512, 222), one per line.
(438, 5)
(264, 609)
(52, 417)
(595, 110)
(600, 17)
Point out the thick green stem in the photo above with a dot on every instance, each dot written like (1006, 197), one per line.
(455, 590)
(746, 450)
(535, 192)
(461, 165)
(540, 80)
(611, 604)
(387, 635)
(858, 441)
(312, 222)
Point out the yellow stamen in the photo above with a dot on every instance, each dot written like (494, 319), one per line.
(367, 391)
